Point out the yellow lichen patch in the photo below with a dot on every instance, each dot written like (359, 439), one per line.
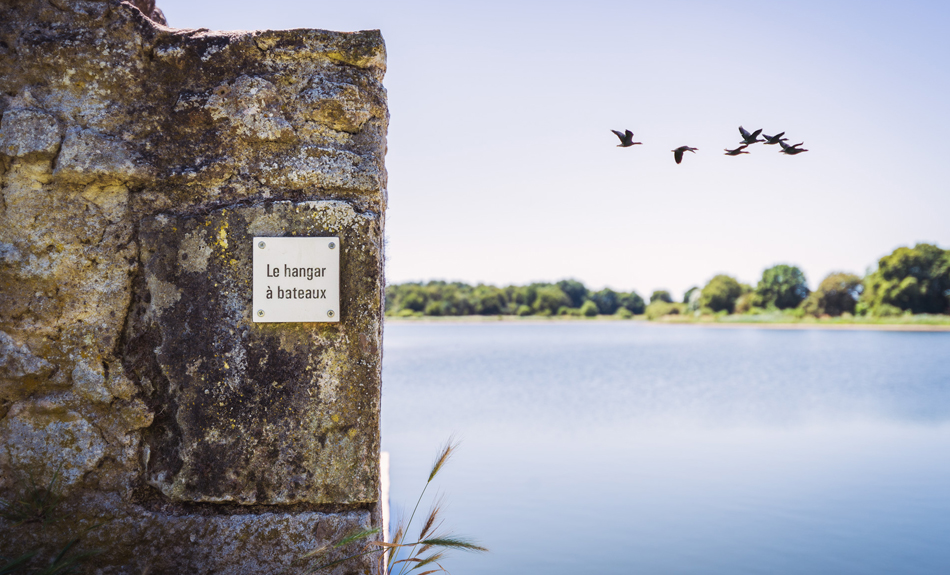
(223, 235)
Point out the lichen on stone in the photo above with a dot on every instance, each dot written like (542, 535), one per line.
(20, 370)
(28, 132)
(253, 399)
(39, 440)
(91, 383)
(136, 162)
(252, 107)
(88, 156)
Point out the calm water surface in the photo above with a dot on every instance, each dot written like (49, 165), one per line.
(620, 447)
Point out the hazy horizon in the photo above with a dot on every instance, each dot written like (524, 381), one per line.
(503, 169)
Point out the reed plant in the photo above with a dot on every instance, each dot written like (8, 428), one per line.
(420, 555)
(34, 503)
(37, 504)
(62, 563)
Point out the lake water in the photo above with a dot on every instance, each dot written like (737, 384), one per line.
(623, 447)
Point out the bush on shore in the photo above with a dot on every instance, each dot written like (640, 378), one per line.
(660, 308)
(721, 293)
(836, 295)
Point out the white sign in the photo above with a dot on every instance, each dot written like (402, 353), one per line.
(296, 279)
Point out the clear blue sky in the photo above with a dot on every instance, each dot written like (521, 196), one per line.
(502, 167)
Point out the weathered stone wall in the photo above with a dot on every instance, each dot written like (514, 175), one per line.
(137, 162)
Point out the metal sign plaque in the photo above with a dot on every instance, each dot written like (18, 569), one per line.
(296, 279)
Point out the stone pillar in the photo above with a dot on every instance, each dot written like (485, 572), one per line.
(137, 163)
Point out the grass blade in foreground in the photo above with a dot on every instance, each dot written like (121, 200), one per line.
(426, 540)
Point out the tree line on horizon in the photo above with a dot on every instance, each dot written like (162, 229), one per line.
(908, 281)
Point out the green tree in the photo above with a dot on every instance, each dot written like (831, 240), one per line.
(914, 279)
(414, 298)
(661, 295)
(489, 300)
(744, 303)
(454, 298)
(837, 294)
(589, 309)
(781, 287)
(632, 302)
(607, 301)
(549, 299)
(689, 293)
(389, 301)
(435, 308)
(721, 293)
(693, 299)
(522, 295)
(574, 290)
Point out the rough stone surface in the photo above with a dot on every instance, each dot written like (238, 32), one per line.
(264, 413)
(234, 544)
(91, 384)
(136, 162)
(20, 370)
(36, 433)
(88, 156)
(29, 132)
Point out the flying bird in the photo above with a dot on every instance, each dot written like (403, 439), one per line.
(774, 139)
(737, 151)
(678, 152)
(748, 138)
(626, 139)
(792, 150)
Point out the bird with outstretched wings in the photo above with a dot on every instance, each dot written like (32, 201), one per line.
(626, 139)
(678, 152)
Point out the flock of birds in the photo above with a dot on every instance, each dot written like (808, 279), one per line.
(748, 138)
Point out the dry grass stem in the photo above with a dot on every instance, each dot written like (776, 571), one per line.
(453, 543)
(430, 523)
(37, 504)
(413, 560)
(447, 451)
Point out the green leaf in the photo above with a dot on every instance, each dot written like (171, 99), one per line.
(14, 565)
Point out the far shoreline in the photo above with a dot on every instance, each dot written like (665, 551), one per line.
(818, 325)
